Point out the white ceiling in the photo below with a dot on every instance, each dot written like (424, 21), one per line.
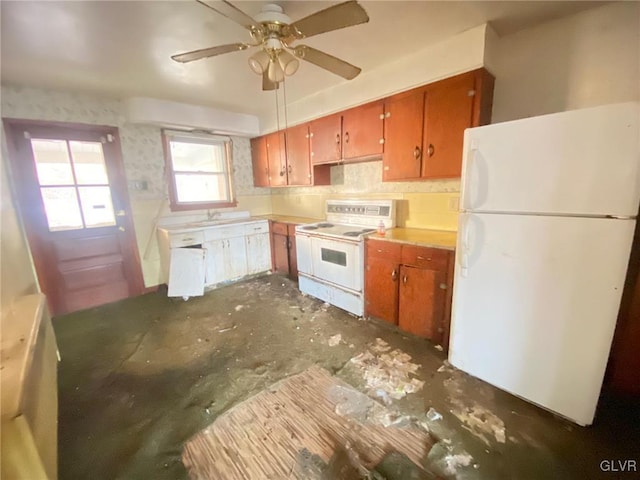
(123, 48)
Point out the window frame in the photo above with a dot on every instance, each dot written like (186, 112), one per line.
(174, 204)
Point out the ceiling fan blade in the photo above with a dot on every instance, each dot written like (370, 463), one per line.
(338, 16)
(209, 52)
(326, 61)
(232, 12)
(268, 84)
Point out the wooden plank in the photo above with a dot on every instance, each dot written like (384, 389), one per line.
(263, 436)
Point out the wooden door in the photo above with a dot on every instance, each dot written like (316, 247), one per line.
(214, 261)
(258, 253)
(276, 156)
(381, 289)
(362, 131)
(293, 253)
(421, 302)
(260, 161)
(403, 128)
(235, 258)
(326, 139)
(280, 253)
(298, 157)
(448, 112)
(74, 203)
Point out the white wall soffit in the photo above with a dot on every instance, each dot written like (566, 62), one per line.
(458, 54)
(151, 111)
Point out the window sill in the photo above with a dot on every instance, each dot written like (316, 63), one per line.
(181, 207)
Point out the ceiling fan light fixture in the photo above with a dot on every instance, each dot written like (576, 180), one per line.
(288, 62)
(259, 62)
(275, 72)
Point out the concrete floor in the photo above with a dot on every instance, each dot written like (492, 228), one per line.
(141, 376)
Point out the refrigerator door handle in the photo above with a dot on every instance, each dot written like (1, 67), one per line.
(463, 258)
(476, 181)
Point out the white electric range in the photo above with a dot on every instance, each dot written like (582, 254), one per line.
(330, 254)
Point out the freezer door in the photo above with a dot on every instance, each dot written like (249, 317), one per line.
(535, 304)
(583, 162)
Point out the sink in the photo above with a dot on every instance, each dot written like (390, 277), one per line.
(210, 223)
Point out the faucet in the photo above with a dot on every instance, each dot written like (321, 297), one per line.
(212, 215)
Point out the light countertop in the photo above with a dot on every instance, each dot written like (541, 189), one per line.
(290, 219)
(419, 236)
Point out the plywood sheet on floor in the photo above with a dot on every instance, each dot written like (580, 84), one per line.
(264, 437)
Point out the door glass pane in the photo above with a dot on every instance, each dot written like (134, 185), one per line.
(202, 188)
(333, 256)
(88, 163)
(97, 207)
(61, 207)
(197, 157)
(52, 162)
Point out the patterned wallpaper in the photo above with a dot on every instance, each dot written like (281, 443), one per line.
(141, 144)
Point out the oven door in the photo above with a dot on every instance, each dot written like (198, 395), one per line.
(338, 262)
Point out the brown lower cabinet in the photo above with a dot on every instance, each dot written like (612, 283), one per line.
(410, 286)
(283, 248)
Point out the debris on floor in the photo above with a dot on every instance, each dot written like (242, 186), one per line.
(480, 421)
(453, 462)
(335, 340)
(294, 422)
(433, 415)
(387, 372)
(239, 307)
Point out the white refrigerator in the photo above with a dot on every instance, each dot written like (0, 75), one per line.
(547, 217)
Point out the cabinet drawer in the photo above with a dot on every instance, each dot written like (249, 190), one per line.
(280, 228)
(186, 239)
(432, 258)
(219, 233)
(257, 227)
(381, 249)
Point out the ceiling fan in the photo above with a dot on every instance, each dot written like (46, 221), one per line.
(274, 32)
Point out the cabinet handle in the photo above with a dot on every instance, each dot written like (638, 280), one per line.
(417, 153)
(282, 172)
(266, 170)
(394, 275)
(187, 239)
(428, 259)
(346, 137)
(337, 138)
(404, 279)
(430, 150)
(289, 169)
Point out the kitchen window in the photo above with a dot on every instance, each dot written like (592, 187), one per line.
(199, 167)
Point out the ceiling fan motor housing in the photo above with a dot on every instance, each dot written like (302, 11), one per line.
(272, 13)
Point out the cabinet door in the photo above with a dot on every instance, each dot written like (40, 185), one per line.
(235, 258)
(293, 252)
(448, 112)
(258, 253)
(381, 289)
(362, 131)
(404, 116)
(298, 157)
(326, 139)
(260, 162)
(276, 155)
(214, 262)
(421, 303)
(280, 253)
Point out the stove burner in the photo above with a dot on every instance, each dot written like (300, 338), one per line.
(325, 225)
(352, 234)
(310, 227)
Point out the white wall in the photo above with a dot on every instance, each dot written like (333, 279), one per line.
(583, 60)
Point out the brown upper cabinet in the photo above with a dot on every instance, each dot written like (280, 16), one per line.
(298, 158)
(419, 134)
(276, 156)
(362, 131)
(326, 139)
(260, 162)
(424, 128)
